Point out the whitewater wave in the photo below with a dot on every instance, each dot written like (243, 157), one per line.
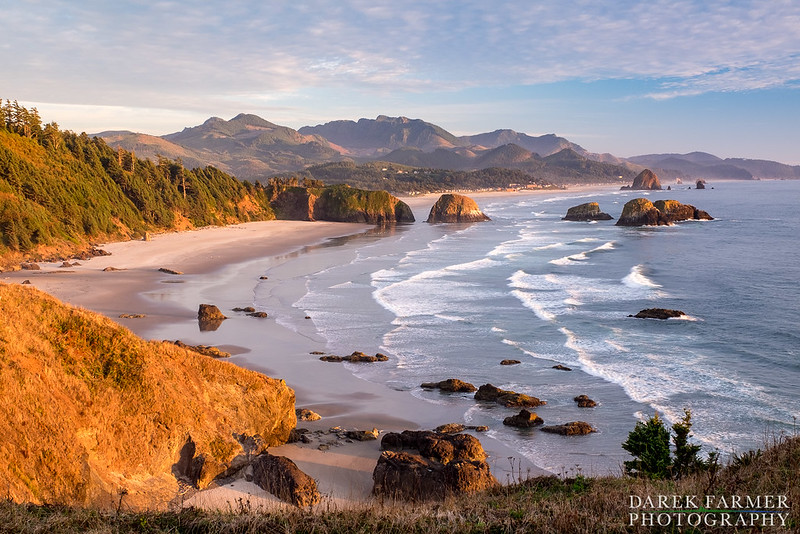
(637, 278)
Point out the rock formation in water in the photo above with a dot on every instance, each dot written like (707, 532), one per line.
(339, 203)
(587, 212)
(658, 313)
(574, 428)
(453, 208)
(643, 212)
(700, 184)
(645, 180)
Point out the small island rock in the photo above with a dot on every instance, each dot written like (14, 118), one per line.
(452, 385)
(584, 401)
(586, 212)
(658, 313)
(642, 212)
(454, 208)
(645, 180)
(574, 428)
(524, 419)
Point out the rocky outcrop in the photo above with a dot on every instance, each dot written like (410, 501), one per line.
(586, 212)
(304, 414)
(114, 411)
(454, 208)
(645, 180)
(574, 428)
(700, 184)
(584, 401)
(340, 203)
(524, 419)
(205, 350)
(510, 362)
(561, 367)
(169, 271)
(358, 357)
(447, 464)
(658, 313)
(643, 212)
(451, 385)
(488, 392)
(281, 477)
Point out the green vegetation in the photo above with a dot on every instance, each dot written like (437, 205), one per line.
(403, 179)
(60, 190)
(648, 443)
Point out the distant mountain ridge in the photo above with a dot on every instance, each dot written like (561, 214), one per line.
(253, 148)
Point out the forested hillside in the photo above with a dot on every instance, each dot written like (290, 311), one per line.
(60, 191)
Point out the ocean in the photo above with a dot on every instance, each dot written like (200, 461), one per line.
(452, 301)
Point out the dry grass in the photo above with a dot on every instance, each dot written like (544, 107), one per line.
(544, 504)
(89, 409)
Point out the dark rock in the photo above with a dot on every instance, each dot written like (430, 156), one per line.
(169, 271)
(587, 212)
(297, 434)
(260, 315)
(454, 208)
(575, 428)
(436, 445)
(304, 414)
(562, 367)
(358, 357)
(479, 428)
(700, 184)
(132, 316)
(26, 282)
(524, 419)
(316, 352)
(658, 313)
(30, 266)
(66, 264)
(450, 428)
(205, 350)
(209, 317)
(331, 358)
(363, 435)
(645, 180)
(584, 401)
(281, 477)
(488, 392)
(263, 278)
(248, 309)
(510, 362)
(112, 269)
(452, 385)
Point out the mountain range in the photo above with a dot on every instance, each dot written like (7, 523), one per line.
(253, 148)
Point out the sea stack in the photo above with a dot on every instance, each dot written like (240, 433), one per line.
(453, 208)
(644, 181)
(586, 212)
(642, 212)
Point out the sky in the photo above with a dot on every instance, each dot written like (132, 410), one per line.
(626, 77)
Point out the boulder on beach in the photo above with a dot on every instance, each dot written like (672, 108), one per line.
(446, 464)
(29, 266)
(454, 208)
(586, 212)
(488, 392)
(574, 428)
(362, 435)
(658, 313)
(452, 385)
(524, 419)
(643, 212)
(209, 317)
(205, 350)
(357, 356)
(304, 414)
(169, 271)
(246, 309)
(645, 180)
(281, 477)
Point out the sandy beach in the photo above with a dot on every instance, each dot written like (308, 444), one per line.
(221, 266)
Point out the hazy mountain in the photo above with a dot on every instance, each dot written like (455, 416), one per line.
(544, 145)
(509, 156)
(247, 146)
(440, 158)
(373, 137)
(704, 165)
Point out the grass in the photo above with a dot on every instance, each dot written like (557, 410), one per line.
(542, 504)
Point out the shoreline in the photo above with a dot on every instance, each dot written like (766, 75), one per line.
(223, 266)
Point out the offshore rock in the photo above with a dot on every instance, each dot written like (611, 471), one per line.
(584, 401)
(575, 428)
(524, 419)
(642, 212)
(645, 180)
(700, 184)
(454, 208)
(452, 385)
(586, 212)
(488, 392)
(658, 313)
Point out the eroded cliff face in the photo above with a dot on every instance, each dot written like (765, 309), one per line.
(454, 208)
(341, 203)
(88, 410)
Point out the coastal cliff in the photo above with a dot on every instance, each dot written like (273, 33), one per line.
(90, 412)
(338, 203)
(456, 208)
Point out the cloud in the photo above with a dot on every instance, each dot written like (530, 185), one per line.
(183, 53)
